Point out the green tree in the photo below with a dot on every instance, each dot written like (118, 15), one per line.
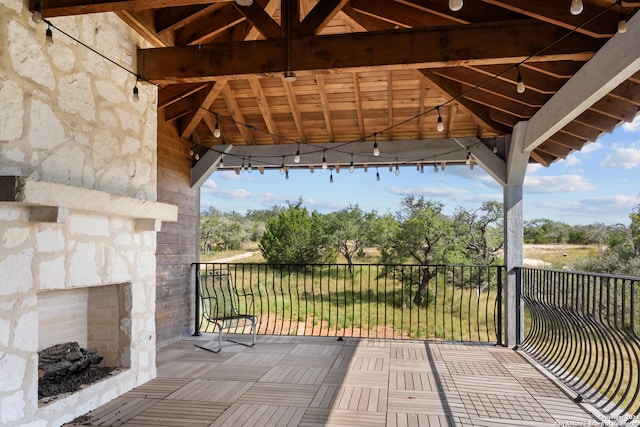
(298, 237)
(482, 230)
(350, 231)
(424, 236)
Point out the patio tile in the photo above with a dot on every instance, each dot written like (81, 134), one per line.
(332, 417)
(243, 414)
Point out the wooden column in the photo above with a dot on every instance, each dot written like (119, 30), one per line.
(517, 161)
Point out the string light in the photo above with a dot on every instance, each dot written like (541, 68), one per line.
(520, 87)
(296, 159)
(242, 167)
(282, 168)
(324, 160)
(48, 34)
(468, 161)
(351, 165)
(397, 168)
(221, 164)
(455, 5)
(286, 174)
(249, 168)
(440, 125)
(37, 13)
(435, 166)
(495, 148)
(376, 150)
(191, 152)
(576, 7)
(418, 166)
(622, 21)
(377, 174)
(216, 129)
(136, 92)
(331, 177)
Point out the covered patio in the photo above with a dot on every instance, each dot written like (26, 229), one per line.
(115, 112)
(316, 381)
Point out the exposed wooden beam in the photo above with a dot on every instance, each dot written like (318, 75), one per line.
(261, 20)
(324, 101)
(209, 26)
(295, 111)
(171, 94)
(321, 14)
(612, 65)
(358, 99)
(202, 102)
(236, 114)
(265, 109)
(401, 14)
(473, 44)
(83, 7)
(145, 26)
(454, 90)
(557, 13)
(491, 163)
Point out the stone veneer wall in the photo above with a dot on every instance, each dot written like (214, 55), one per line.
(67, 116)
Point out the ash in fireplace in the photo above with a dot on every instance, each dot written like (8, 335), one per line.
(65, 368)
(72, 383)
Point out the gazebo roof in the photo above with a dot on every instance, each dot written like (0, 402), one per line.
(322, 77)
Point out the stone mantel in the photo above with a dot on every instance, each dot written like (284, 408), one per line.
(49, 201)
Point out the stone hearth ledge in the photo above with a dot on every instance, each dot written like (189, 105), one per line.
(50, 202)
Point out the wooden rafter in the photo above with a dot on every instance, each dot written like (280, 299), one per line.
(237, 115)
(471, 44)
(295, 111)
(324, 102)
(358, 100)
(265, 109)
(202, 102)
(320, 16)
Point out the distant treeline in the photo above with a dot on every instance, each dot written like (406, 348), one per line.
(417, 233)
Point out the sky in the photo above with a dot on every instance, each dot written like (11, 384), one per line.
(599, 184)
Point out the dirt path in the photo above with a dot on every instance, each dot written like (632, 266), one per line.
(236, 257)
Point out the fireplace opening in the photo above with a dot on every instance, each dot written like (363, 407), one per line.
(90, 330)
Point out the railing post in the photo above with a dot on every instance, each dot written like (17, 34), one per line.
(519, 271)
(196, 319)
(499, 308)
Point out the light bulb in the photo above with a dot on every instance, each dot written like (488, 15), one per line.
(49, 36)
(520, 88)
(331, 178)
(622, 24)
(245, 3)
(37, 13)
(191, 153)
(286, 174)
(421, 168)
(376, 150)
(249, 168)
(296, 159)
(435, 168)
(324, 162)
(576, 7)
(351, 166)
(440, 125)
(495, 148)
(221, 164)
(197, 156)
(136, 93)
(377, 175)
(216, 129)
(455, 5)
(397, 170)
(468, 161)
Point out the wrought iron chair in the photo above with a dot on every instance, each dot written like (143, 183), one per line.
(220, 302)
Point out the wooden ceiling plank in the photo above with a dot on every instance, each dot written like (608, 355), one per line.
(542, 158)
(469, 45)
(421, 111)
(390, 105)
(144, 25)
(236, 114)
(628, 91)
(366, 22)
(533, 80)
(202, 102)
(473, 11)
(295, 111)
(611, 66)
(83, 7)
(358, 99)
(263, 104)
(321, 14)
(616, 108)
(324, 102)
(494, 86)
(454, 91)
(594, 21)
(401, 14)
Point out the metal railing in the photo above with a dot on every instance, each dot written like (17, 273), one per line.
(459, 302)
(583, 328)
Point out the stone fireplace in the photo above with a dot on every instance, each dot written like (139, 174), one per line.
(78, 209)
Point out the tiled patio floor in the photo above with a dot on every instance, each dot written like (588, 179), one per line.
(309, 381)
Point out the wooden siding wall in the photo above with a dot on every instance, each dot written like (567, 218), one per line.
(177, 241)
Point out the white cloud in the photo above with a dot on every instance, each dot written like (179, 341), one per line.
(605, 209)
(591, 147)
(623, 157)
(446, 193)
(534, 167)
(571, 161)
(633, 126)
(556, 184)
